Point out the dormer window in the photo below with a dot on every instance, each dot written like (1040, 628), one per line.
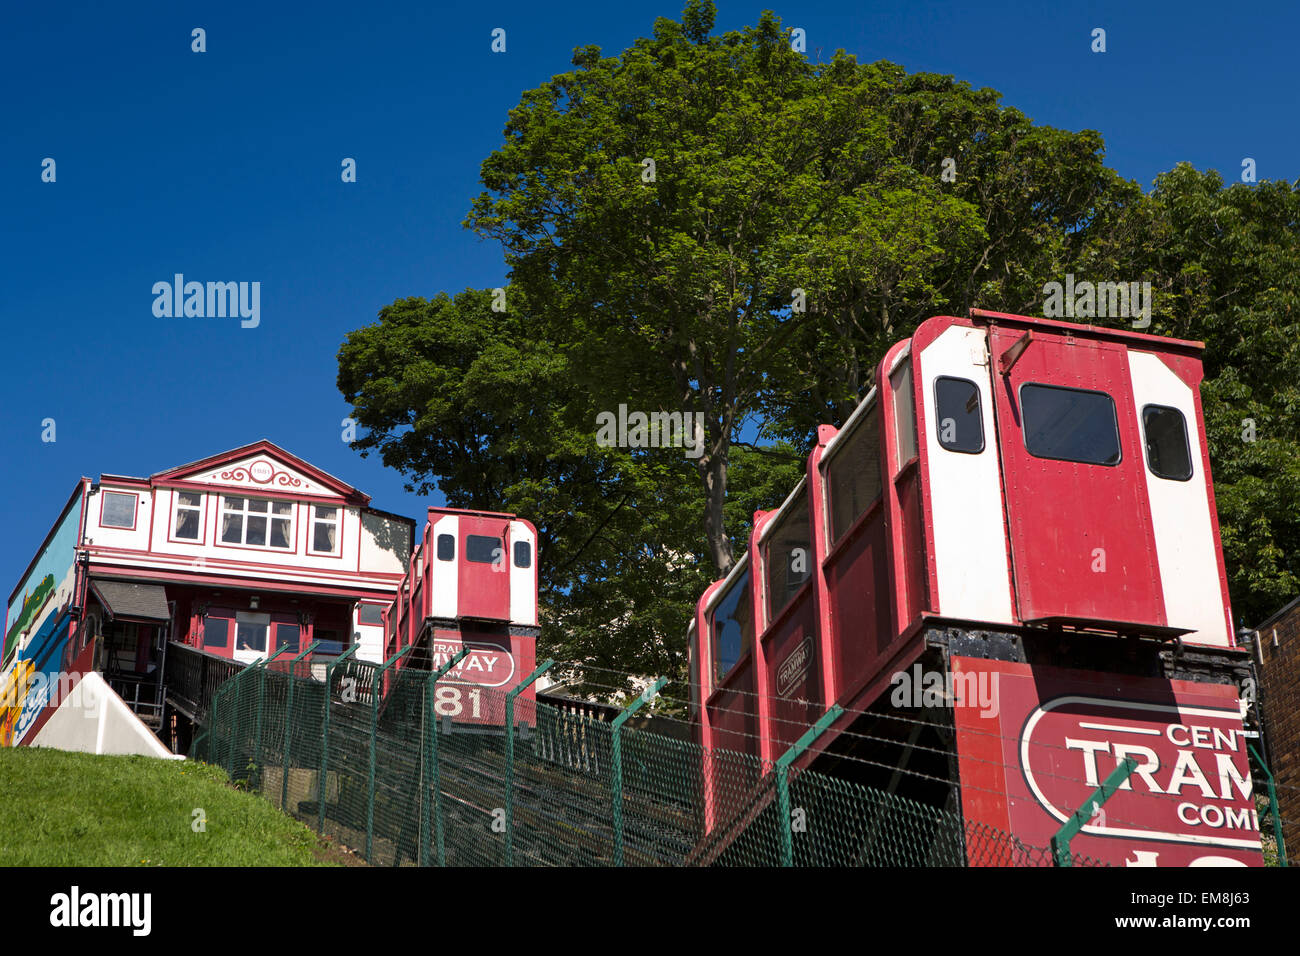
(257, 522)
(324, 530)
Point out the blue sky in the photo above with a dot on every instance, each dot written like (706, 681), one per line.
(225, 166)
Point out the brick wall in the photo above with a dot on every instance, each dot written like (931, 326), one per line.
(1280, 697)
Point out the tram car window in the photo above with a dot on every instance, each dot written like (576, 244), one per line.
(1070, 424)
(960, 421)
(1168, 453)
(446, 547)
(733, 625)
(482, 549)
(853, 475)
(523, 554)
(788, 555)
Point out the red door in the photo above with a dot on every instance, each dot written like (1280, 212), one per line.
(1082, 543)
(484, 586)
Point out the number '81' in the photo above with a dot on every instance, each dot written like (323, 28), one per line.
(447, 702)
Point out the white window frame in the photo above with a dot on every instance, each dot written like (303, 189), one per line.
(336, 521)
(176, 522)
(245, 513)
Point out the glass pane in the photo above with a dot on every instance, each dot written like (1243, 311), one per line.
(446, 547)
(482, 549)
(787, 556)
(279, 532)
(323, 536)
(187, 523)
(1168, 452)
(232, 528)
(233, 504)
(287, 634)
(119, 510)
(904, 414)
(523, 554)
(957, 406)
(216, 632)
(188, 499)
(256, 531)
(327, 514)
(250, 637)
(258, 505)
(370, 614)
(282, 507)
(733, 625)
(1070, 424)
(853, 475)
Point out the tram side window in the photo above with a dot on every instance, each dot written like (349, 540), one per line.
(853, 474)
(1168, 453)
(1070, 424)
(904, 414)
(733, 626)
(787, 556)
(960, 422)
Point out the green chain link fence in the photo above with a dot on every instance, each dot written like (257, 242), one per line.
(389, 767)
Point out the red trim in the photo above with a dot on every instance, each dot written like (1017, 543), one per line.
(171, 519)
(1160, 342)
(242, 584)
(188, 561)
(104, 493)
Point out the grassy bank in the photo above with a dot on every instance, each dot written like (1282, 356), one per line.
(72, 809)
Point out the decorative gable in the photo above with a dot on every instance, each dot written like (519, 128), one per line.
(263, 468)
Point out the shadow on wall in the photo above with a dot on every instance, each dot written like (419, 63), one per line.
(390, 535)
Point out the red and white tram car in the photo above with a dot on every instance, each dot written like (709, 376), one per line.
(472, 583)
(1023, 505)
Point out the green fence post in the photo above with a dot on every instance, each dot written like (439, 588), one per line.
(288, 722)
(374, 735)
(782, 770)
(431, 784)
(1272, 807)
(510, 756)
(325, 736)
(616, 762)
(1071, 827)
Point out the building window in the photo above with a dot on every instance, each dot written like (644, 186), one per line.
(325, 529)
(1168, 453)
(251, 632)
(482, 549)
(523, 554)
(370, 614)
(1070, 424)
(188, 515)
(118, 510)
(959, 420)
(853, 474)
(216, 631)
(257, 522)
(733, 626)
(787, 556)
(446, 547)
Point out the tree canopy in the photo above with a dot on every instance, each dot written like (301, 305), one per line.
(714, 225)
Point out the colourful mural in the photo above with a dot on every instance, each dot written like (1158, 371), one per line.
(38, 628)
